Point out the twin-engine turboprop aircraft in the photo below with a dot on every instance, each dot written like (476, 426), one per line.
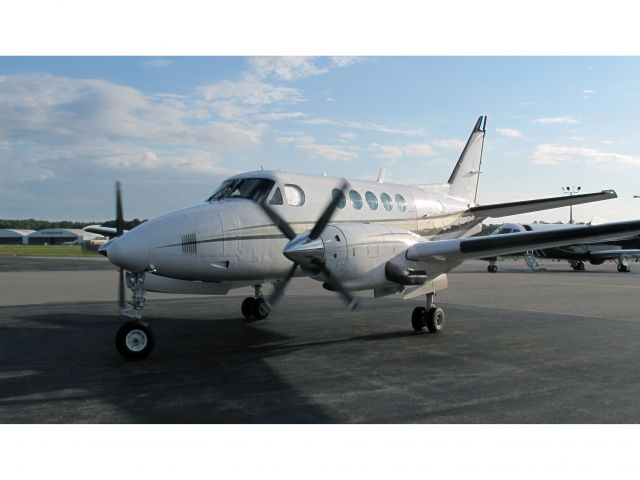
(618, 250)
(269, 226)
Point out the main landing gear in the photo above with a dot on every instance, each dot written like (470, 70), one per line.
(134, 339)
(578, 266)
(256, 307)
(623, 265)
(431, 317)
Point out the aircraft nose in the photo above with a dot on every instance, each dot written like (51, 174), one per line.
(130, 251)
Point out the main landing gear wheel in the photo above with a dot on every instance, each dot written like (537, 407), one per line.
(134, 340)
(254, 308)
(624, 268)
(579, 266)
(419, 318)
(492, 268)
(435, 319)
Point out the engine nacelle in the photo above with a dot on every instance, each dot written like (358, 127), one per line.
(359, 252)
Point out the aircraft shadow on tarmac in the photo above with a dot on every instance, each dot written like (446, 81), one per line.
(63, 367)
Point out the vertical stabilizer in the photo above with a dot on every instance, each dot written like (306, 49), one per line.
(464, 178)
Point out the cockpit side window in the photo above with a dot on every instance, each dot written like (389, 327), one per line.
(255, 189)
(294, 195)
(276, 199)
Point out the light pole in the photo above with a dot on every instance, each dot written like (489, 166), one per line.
(572, 190)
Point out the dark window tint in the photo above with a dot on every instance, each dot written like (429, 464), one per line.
(386, 201)
(356, 199)
(336, 192)
(277, 198)
(372, 200)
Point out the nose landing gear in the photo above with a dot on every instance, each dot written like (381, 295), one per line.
(255, 308)
(134, 339)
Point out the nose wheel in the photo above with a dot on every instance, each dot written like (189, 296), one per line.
(135, 340)
(255, 308)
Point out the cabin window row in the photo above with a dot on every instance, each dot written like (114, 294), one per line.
(372, 200)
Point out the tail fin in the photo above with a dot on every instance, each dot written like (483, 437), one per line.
(464, 178)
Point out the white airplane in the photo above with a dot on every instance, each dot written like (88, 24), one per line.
(260, 227)
(615, 249)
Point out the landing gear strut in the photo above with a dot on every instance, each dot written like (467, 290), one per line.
(255, 307)
(134, 339)
(430, 316)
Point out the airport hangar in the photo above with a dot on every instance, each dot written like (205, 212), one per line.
(10, 236)
(60, 236)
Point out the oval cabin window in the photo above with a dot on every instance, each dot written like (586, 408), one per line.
(356, 199)
(336, 192)
(372, 200)
(401, 203)
(386, 201)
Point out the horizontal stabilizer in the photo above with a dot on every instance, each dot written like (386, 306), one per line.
(526, 206)
(495, 245)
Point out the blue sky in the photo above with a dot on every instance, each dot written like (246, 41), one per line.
(171, 128)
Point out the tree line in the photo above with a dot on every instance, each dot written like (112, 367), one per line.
(34, 224)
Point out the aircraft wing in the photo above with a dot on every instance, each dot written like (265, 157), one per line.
(105, 231)
(613, 254)
(526, 206)
(493, 245)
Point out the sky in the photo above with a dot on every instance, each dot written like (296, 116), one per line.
(171, 128)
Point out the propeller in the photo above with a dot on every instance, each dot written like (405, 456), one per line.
(307, 251)
(119, 230)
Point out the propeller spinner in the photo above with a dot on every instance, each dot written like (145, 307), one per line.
(307, 250)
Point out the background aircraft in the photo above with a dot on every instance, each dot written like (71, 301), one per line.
(269, 226)
(616, 249)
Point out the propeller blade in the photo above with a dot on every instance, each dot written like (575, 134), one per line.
(119, 214)
(280, 286)
(337, 285)
(121, 288)
(283, 226)
(328, 213)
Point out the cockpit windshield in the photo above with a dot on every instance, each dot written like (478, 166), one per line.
(255, 189)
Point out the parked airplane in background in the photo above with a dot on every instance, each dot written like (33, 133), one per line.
(616, 249)
(269, 226)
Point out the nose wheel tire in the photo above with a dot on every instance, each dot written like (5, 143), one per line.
(247, 307)
(492, 268)
(254, 308)
(134, 340)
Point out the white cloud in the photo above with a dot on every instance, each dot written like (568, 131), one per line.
(509, 132)
(250, 91)
(548, 154)
(367, 126)
(448, 144)
(157, 63)
(556, 120)
(309, 145)
(395, 152)
(275, 116)
(347, 136)
(55, 126)
(295, 68)
(588, 92)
